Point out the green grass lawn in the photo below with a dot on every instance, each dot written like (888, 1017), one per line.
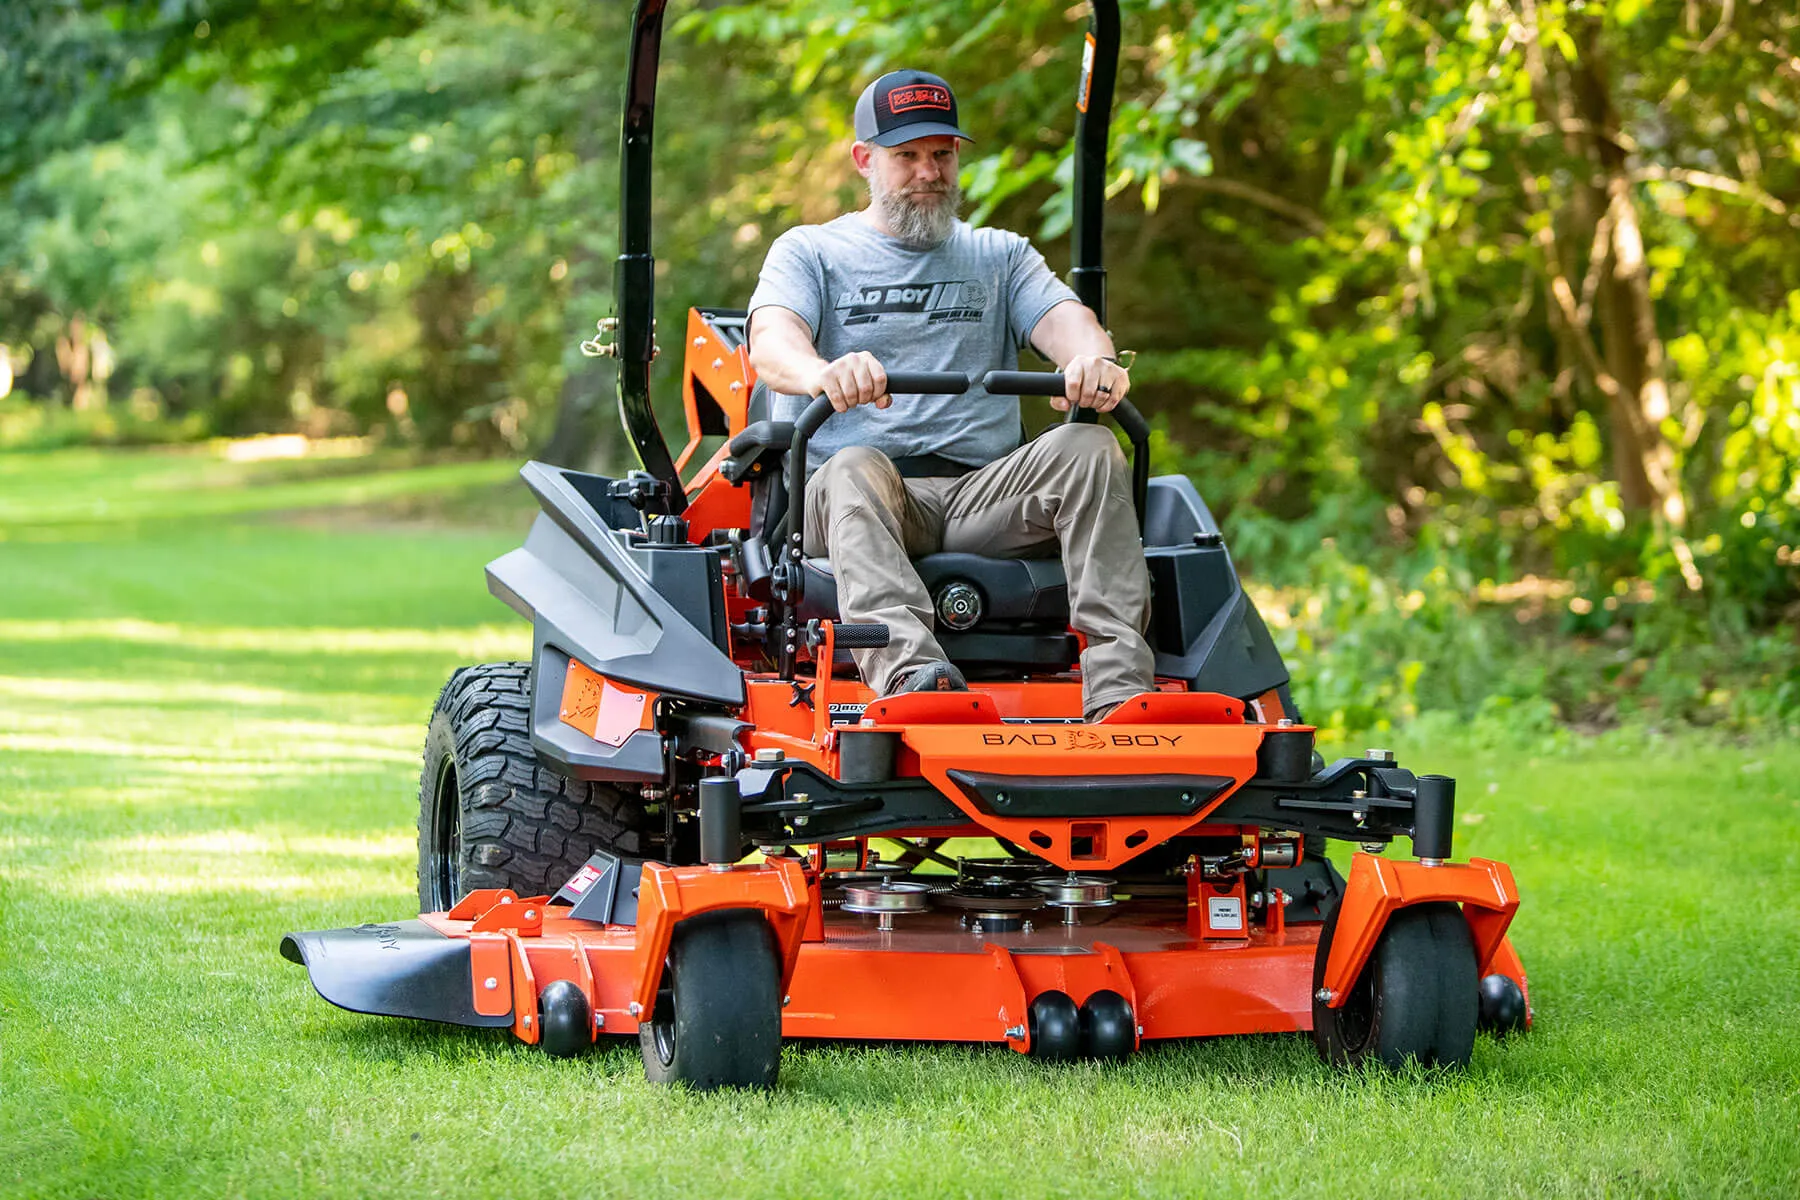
(214, 681)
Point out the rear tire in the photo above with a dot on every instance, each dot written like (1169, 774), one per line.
(490, 815)
(717, 1018)
(1415, 999)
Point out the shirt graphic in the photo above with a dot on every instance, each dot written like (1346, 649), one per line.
(955, 300)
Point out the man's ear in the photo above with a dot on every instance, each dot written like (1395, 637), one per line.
(863, 155)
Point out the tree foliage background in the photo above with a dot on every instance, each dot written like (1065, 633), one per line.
(1480, 322)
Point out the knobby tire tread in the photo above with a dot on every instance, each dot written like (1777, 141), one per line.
(524, 826)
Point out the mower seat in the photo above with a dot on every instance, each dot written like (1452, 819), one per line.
(1015, 610)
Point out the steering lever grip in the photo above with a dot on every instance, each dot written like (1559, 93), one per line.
(927, 383)
(1024, 383)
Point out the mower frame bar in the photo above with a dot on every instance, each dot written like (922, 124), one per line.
(1088, 273)
(634, 273)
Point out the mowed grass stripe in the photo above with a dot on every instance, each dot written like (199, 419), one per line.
(172, 801)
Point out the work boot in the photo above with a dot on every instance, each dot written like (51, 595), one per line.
(932, 677)
(1100, 714)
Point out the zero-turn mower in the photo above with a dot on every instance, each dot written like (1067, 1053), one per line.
(686, 819)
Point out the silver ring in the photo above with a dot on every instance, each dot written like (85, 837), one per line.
(1103, 389)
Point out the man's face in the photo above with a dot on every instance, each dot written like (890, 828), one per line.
(913, 186)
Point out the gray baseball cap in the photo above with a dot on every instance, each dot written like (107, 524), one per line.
(904, 105)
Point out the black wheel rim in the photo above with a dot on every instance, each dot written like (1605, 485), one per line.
(662, 1019)
(447, 838)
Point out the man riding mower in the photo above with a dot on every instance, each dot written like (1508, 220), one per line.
(686, 819)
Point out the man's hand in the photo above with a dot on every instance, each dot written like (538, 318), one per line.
(781, 350)
(1092, 381)
(857, 378)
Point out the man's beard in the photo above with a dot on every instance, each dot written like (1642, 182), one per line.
(920, 226)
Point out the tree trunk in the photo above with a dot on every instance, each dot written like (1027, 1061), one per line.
(582, 434)
(74, 355)
(452, 381)
(575, 439)
(1643, 460)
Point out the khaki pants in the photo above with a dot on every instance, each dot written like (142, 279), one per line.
(1069, 489)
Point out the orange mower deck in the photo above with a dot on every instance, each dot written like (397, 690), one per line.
(931, 978)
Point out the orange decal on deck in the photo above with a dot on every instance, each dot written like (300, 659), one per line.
(601, 708)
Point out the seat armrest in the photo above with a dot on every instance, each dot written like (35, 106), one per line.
(762, 435)
(757, 441)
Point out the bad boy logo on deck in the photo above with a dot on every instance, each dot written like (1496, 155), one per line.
(956, 300)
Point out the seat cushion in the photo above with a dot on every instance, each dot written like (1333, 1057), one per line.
(1011, 589)
(1022, 608)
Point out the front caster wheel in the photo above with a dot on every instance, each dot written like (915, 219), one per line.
(1415, 999)
(717, 1020)
(565, 1021)
(1108, 1028)
(1502, 1005)
(1055, 1025)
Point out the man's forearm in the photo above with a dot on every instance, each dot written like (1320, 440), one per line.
(782, 351)
(788, 370)
(1071, 329)
(784, 359)
(1073, 338)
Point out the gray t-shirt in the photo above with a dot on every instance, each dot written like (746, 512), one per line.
(966, 305)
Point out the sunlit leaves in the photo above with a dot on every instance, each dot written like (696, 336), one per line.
(1335, 231)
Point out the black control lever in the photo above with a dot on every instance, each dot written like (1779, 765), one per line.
(851, 635)
(788, 579)
(939, 383)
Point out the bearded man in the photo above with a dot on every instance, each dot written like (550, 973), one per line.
(905, 284)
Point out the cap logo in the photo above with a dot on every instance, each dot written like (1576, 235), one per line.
(918, 95)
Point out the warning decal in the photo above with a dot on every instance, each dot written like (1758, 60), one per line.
(1225, 912)
(1087, 74)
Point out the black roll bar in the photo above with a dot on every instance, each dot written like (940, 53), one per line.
(1100, 71)
(634, 275)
